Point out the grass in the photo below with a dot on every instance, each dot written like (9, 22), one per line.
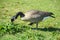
(20, 30)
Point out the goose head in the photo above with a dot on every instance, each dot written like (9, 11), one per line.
(18, 14)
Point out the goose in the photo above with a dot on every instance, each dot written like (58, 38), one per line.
(33, 16)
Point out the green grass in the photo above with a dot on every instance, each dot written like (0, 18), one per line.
(20, 30)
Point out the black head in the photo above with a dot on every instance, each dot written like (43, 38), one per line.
(13, 18)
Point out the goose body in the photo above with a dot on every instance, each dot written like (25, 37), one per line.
(33, 16)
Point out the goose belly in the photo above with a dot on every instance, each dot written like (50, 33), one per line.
(32, 19)
(36, 19)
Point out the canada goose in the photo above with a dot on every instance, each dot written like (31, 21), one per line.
(33, 16)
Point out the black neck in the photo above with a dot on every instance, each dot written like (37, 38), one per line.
(19, 14)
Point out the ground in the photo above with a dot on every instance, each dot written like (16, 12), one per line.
(49, 29)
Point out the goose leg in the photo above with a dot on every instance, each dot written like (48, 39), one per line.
(36, 24)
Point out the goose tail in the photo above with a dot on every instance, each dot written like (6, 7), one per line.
(51, 15)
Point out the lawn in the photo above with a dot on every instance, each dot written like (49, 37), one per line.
(49, 29)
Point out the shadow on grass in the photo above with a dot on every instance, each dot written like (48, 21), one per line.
(47, 29)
